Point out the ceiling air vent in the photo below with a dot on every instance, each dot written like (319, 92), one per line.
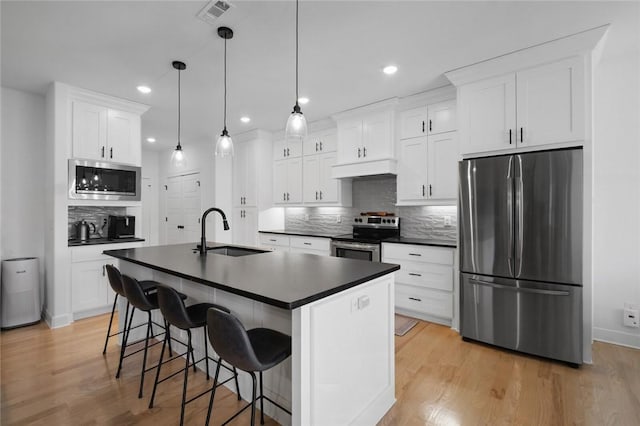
(214, 10)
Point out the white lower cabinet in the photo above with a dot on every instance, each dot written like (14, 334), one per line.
(296, 244)
(424, 283)
(244, 225)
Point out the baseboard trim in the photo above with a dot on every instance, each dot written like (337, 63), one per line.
(616, 337)
(57, 321)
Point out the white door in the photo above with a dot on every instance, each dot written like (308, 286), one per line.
(442, 117)
(548, 103)
(413, 123)
(412, 170)
(442, 170)
(183, 209)
(89, 131)
(174, 217)
(311, 179)
(487, 117)
(89, 284)
(329, 192)
(294, 180)
(349, 141)
(123, 137)
(280, 182)
(149, 211)
(377, 139)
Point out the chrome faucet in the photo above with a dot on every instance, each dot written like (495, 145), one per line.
(203, 222)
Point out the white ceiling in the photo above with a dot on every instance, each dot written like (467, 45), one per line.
(113, 46)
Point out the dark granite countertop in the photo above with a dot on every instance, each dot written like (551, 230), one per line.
(285, 280)
(421, 242)
(301, 233)
(96, 241)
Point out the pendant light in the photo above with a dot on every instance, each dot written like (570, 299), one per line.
(224, 146)
(296, 124)
(178, 158)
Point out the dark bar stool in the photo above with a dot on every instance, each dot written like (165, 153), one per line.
(258, 349)
(115, 280)
(186, 318)
(146, 303)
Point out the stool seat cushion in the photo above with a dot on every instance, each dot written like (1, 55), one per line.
(198, 313)
(148, 285)
(270, 346)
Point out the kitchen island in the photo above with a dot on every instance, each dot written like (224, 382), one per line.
(339, 313)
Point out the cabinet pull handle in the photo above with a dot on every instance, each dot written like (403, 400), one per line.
(198, 183)
(287, 196)
(316, 195)
(429, 125)
(110, 152)
(364, 151)
(521, 135)
(415, 254)
(180, 226)
(430, 190)
(416, 299)
(284, 196)
(316, 146)
(413, 274)
(423, 190)
(307, 244)
(321, 195)
(358, 152)
(272, 240)
(288, 152)
(422, 126)
(103, 270)
(320, 145)
(102, 155)
(509, 136)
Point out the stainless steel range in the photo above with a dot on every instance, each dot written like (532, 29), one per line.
(368, 232)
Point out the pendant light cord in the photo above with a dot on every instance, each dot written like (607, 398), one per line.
(225, 83)
(296, 52)
(179, 107)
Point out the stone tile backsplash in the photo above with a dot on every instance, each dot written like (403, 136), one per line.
(92, 214)
(376, 193)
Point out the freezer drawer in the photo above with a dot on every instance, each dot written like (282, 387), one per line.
(536, 318)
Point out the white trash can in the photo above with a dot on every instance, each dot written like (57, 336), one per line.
(20, 292)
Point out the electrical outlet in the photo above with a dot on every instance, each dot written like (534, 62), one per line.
(338, 219)
(447, 220)
(631, 315)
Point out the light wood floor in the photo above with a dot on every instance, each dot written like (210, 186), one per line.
(60, 377)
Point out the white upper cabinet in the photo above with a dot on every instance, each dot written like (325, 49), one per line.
(428, 120)
(442, 166)
(538, 106)
(377, 141)
(284, 149)
(101, 133)
(412, 170)
(350, 141)
(413, 122)
(287, 181)
(319, 186)
(244, 175)
(321, 142)
(244, 223)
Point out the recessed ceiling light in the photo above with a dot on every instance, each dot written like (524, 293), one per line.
(144, 89)
(390, 69)
(151, 140)
(303, 101)
(245, 119)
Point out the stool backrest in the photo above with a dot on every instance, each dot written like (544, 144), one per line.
(231, 341)
(134, 293)
(173, 309)
(115, 279)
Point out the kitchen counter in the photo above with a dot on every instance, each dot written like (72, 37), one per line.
(97, 241)
(396, 240)
(322, 302)
(301, 233)
(285, 280)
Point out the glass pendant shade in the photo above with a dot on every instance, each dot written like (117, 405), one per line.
(178, 158)
(224, 146)
(296, 126)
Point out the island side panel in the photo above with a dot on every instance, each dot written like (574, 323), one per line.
(343, 356)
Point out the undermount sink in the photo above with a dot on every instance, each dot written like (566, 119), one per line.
(233, 251)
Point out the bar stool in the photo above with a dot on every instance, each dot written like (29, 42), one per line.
(258, 349)
(186, 318)
(115, 280)
(146, 303)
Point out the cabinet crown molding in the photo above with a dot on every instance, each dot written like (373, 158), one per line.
(108, 101)
(386, 105)
(578, 44)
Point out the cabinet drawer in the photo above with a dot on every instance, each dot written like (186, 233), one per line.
(418, 253)
(430, 302)
(311, 243)
(274, 240)
(310, 251)
(85, 253)
(427, 275)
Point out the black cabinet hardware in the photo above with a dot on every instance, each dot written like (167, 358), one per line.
(316, 146)
(423, 190)
(103, 270)
(321, 195)
(316, 195)
(521, 135)
(284, 152)
(102, 155)
(429, 125)
(416, 299)
(413, 274)
(287, 196)
(307, 244)
(415, 254)
(288, 152)
(430, 190)
(110, 152)
(422, 126)
(180, 226)
(364, 151)
(509, 136)
(272, 240)
(320, 145)
(358, 152)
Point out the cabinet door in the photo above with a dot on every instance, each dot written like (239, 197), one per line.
(251, 178)
(442, 170)
(89, 285)
(550, 101)
(244, 226)
(487, 114)
(244, 175)
(378, 137)
(279, 150)
(311, 144)
(280, 182)
(413, 123)
(328, 141)
(412, 169)
(442, 117)
(329, 187)
(311, 179)
(349, 141)
(123, 137)
(89, 131)
(294, 148)
(294, 181)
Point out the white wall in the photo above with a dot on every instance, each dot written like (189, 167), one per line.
(150, 197)
(616, 200)
(22, 175)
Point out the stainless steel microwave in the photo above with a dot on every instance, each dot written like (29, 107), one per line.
(98, 180)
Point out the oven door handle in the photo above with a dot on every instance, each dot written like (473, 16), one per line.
(354, 246)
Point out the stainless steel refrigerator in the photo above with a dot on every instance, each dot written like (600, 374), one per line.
(520, 219)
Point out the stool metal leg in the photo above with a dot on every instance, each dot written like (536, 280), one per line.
(213, 391)
(186, 375)
(206, 351)
(155, 384)
(261, 402)
(113, 309)
(168, 336)
(144, 356)
(125, 337)
(253, 399)
(235, 377)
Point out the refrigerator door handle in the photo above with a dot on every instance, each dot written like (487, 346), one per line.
(510, 178)
(519, 215)
(521, 289)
